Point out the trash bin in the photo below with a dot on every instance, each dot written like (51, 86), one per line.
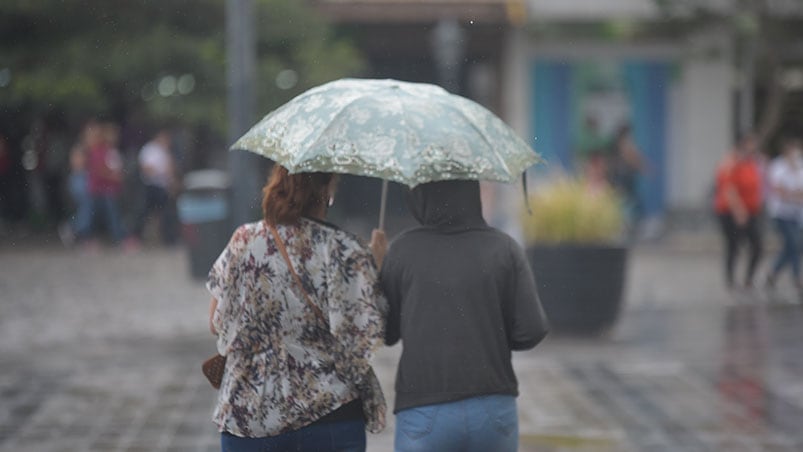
(203, 209)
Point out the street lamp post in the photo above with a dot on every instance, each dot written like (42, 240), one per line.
(244, 167)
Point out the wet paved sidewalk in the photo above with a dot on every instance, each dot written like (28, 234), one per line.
(101, 353)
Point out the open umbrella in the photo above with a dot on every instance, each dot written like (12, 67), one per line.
(411, 133)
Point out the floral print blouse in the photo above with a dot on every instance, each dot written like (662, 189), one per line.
(283, 370)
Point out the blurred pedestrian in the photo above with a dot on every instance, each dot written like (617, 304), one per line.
(157, 170)
(785, 207)
(80, 222)
(298, 312)
(596, 171)
(591, 141)
(625, 169)
(462, 297)
(105, 175)
(738, 204)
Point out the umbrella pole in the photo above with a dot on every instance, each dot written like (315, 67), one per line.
(383, 205)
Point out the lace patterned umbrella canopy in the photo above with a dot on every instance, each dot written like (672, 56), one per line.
(411, 133)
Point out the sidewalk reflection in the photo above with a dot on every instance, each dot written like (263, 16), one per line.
(741, 380)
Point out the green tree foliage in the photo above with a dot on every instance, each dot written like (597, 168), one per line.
(767, 27)
(80, 58)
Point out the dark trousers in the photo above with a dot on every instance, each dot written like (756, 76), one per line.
(790, 253)
(343, 436)
(735, 235)
(157, 200)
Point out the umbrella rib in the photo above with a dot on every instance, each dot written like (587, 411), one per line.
(267, 117)
(329, 126)
(404, 115)
(481, 134)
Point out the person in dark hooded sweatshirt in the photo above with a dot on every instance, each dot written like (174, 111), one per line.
(462, 297)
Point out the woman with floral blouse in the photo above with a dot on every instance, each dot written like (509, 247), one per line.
(295, 380)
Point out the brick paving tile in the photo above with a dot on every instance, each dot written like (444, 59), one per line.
(101, 353)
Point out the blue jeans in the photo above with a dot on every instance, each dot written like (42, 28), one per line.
(790, 254)
(479, 424)
(107, 205)
(344, 436)
(79, 191)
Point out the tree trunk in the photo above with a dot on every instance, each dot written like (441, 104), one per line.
(775, 95)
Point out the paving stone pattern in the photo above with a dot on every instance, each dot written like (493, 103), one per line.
(102, 353)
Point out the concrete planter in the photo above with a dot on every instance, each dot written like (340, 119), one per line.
(581, 286)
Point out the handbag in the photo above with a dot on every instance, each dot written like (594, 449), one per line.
(370, 391)
(213, 369)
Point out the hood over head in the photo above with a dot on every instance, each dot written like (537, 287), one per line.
(447, 204)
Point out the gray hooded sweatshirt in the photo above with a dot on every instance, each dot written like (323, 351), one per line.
(462, 297)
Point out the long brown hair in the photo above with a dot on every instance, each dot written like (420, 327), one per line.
(287, 197)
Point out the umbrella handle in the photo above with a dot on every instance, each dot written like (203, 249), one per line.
(383, 205)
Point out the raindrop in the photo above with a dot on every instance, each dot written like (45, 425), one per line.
(287, 79)
(167, 86)
(186, 84)
(5, 77)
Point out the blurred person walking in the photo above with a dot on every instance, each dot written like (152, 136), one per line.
(595, 171)
(625, 169)
(785, 207)
(462, 297)
(738, 204)
(298, 312)
(105, 177)
(157, 171)
(78, 185)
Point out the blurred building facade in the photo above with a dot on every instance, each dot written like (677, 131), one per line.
(584, 69)
(568, 74)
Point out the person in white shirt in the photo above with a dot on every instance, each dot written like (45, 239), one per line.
(157, 171)
(785, 206)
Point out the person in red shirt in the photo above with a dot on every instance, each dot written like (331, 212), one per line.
(738, 203)
(104, 167)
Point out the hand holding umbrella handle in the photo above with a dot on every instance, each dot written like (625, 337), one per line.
(379, 242)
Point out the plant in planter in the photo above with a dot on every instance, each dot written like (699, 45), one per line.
(576, 253)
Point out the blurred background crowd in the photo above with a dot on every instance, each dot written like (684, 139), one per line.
(645, 96)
